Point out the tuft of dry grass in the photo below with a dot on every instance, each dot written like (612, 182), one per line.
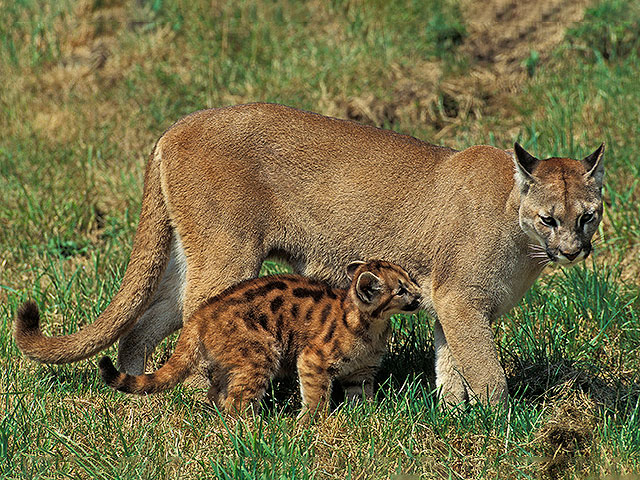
(566, 437)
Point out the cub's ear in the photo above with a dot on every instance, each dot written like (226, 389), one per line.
(594, 165)
(368, 287)
(352, 267)
(525, 164)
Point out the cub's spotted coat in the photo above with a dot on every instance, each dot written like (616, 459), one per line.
(266, 327)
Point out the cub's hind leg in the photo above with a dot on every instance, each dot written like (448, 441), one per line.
(251, 361)
(218, 386)
(246, 389)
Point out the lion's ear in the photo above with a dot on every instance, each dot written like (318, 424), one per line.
(594, 165)
(525, 165)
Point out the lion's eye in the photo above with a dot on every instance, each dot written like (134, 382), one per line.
(549, 221)
(586, 218)
(402, 290)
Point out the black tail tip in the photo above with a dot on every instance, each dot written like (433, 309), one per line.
(28, 317)
(108, 371)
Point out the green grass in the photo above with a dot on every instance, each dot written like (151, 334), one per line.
(87, 89)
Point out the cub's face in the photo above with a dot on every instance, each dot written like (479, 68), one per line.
(382, 288)
(561, 204)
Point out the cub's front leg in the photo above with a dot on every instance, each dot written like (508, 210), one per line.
(315, 384)
(359, 383)
(467, 364)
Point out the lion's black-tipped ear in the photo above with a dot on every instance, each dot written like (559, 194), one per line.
(352, 267)
(594, 165)
(368, 287)
(525, 164)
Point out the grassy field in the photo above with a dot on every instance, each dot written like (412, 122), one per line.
(88, 86)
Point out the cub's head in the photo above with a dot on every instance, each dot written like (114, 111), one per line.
(560, 204)
(382, 288)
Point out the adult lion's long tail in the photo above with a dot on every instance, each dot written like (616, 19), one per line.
(177, 368)
(148, 260)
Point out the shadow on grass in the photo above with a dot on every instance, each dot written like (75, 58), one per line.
(407, 363)
(69, 378)
(537, 381)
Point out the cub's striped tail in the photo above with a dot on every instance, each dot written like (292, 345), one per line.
(177, 368)
(166, 377)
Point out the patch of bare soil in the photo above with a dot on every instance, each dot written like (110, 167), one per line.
(503, 33)
(564, 438)
(502, 36)
(88, 40)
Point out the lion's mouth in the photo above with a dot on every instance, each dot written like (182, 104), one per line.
(568, 259)
(544, 255)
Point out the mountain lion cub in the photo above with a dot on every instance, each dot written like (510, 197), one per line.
(260, 328)
(227, 188)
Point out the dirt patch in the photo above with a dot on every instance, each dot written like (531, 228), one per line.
(86, 42)
(564, 440)
(507, 40)
(503, 33)
(538, 380)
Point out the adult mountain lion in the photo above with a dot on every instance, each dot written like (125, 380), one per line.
(227, 188)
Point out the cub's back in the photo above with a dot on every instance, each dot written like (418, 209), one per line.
(286, 308)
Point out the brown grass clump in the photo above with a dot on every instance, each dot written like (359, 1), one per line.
(80, 90)
(565, 438)
(502, 33)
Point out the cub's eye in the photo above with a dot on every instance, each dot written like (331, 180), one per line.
(402, 290)
(586, 218)
(548, 221)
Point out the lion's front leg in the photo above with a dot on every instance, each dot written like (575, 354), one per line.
(467, 364)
